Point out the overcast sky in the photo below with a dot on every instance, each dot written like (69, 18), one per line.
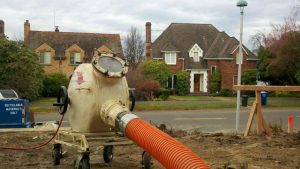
(117, 16)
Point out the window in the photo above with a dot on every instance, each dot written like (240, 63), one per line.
(170, 58)
(45, 57)
(196, 53)
(213, 69)
(74, 58)
(171, 82)
(196, 57)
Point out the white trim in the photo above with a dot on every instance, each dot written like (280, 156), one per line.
(252, 59)
(170, 51)
(218, 58)
(211, 68)
(237, 48)
(196, 49)
(203, 80)
(197, 69)
(170, 58)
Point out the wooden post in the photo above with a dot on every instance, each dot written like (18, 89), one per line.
(262, 125)
(258, 113)
(250, 119)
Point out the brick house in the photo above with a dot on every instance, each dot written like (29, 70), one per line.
(200, 49)
(63, 51)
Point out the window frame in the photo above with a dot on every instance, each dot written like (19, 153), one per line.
(170, 58)
(43, 54)
(196, 57)
(73, 55)
(213, 67)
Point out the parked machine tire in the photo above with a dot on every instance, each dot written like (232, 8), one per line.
(62, 100)
(82, 162)
(108, 154)
(56, 154)
(146, 160)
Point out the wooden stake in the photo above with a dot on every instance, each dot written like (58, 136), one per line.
(250, 119)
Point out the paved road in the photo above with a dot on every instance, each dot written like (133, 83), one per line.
(204, 120)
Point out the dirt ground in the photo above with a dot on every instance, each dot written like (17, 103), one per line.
(282, 151)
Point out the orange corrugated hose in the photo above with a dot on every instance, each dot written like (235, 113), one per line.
(169, 152)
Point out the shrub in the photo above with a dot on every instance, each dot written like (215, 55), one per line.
(226, 91)
(182, 84)
(215, 82)
(281, 94)
(156, 70)
(20, 69)
(164, 93)
(52, 83)
(148, 90)
(249, 77)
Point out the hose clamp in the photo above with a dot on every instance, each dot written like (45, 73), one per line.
(123, 119)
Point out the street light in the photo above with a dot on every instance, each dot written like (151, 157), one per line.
(241, 4)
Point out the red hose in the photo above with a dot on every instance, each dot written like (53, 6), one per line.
(168, 151)
(36, 146)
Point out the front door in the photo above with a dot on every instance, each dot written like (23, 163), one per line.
(196, 83)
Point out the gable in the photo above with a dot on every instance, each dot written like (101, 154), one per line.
(196, 48)
(104, 49)
(44, 48)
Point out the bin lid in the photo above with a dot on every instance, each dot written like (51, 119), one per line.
(8, 94)
(110, 65)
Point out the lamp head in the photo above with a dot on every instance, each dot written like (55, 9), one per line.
(241, 3)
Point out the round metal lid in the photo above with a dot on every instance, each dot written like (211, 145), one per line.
(110, 65)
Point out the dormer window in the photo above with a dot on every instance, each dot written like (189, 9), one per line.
(74, 58)
(45, 58)
(170, 58)
(196, 53)
(196, 57)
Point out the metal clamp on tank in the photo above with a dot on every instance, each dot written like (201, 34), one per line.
(110, 65)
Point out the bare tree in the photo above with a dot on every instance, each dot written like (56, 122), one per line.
(134, 48)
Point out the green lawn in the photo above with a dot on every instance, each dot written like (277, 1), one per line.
(181, 103)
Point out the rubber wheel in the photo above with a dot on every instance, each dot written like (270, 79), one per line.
(108, 154)
(83, 163)
(147, 160)
(56, 154)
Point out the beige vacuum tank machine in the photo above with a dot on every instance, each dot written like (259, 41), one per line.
(98, 101)
(93, 85)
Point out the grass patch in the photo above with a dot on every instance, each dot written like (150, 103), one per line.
(183, 106)
(192, 98)
(181, 103)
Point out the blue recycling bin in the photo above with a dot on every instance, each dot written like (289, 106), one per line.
(264, 97)
(14, 113)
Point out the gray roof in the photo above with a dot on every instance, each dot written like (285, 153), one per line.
(182, 37)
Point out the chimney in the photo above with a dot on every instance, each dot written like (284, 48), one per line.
(2, 28)
(26, 32)
(148, 41)
(56, 29)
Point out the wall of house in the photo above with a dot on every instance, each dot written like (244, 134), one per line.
(179, 64)
(63, 65)
(228, 69)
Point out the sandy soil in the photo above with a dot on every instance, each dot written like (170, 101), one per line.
(282, 151)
